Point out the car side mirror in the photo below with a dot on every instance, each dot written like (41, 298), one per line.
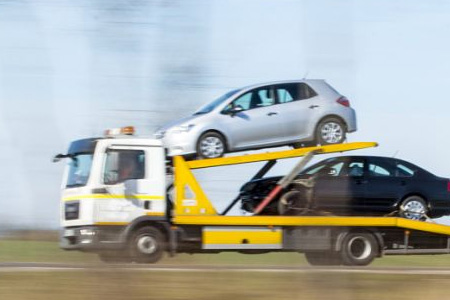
(234, 110)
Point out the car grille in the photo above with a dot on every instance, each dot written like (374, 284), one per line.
(72, 210)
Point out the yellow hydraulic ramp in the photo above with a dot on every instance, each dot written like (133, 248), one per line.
(190, 200)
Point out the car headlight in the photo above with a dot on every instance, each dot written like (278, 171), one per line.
(182, 128)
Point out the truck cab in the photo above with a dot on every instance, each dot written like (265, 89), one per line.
(109, 184)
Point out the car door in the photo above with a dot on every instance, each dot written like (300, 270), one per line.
(343, 189)
(298, 105)
(259, 123)
(384, 188)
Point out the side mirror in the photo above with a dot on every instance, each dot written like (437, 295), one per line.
(58, 157)
(234, 110)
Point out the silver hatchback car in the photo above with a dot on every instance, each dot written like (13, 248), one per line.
(297, 113)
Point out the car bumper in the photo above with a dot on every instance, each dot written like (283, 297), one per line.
(350, 120)
(92, 238)
(180, 143)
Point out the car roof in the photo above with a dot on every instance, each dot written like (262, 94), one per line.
(252, 86)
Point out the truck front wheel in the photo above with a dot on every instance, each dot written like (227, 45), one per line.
(147, 245)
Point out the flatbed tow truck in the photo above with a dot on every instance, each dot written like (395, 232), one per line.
(127, 218)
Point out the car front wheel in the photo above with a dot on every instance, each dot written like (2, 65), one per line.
(211, 145)
(330, 131)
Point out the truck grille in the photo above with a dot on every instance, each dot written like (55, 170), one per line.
(72, 210)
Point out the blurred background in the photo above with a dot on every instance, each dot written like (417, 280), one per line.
(71, 69)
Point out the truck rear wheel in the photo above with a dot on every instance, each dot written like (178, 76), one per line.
(147, 245)
(359, 249)
(323, 258)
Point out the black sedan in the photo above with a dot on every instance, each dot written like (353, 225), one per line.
(355, 185)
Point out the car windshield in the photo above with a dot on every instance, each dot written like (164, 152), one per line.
(212, 105)
(79, 169)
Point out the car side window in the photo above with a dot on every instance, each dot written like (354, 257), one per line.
(254, 99)
(266, 96)
(293, 91)
(243, 101)
(328, 169)
(377, 170)
(121, 165)
(403, 171)
(355, 169)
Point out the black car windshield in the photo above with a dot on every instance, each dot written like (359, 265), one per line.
(79, 169)
(212, 105)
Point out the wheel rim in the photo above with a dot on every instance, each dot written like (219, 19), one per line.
(331, 132)
(413, 210)
(211, 147)
(359, 248)
(147, 244)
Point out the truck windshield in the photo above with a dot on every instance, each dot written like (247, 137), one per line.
(79, 169)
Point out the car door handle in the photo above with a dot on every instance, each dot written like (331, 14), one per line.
(272, 114)
(313, 106)
(361, 181)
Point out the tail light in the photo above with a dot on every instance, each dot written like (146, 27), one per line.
(448, 186)
(343, 101)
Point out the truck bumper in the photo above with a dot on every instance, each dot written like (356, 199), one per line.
(92, 238)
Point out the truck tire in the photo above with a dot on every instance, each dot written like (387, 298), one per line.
(147, 245)
(359, 249)
(323, 258)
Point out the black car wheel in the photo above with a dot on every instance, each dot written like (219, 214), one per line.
(413, 208)
(211, 145)
(330, 131)
(147, 245)
(323, 258)
(292, 203)
(359, 249)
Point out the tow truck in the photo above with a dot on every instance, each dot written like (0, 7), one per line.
(116, 202)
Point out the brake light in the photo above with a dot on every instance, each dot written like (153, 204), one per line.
(343, 101)
(448, 186)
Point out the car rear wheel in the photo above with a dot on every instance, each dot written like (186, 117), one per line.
(413, 208)
(211, 145)
(330, 131)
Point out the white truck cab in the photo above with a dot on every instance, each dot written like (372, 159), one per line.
(108, 184)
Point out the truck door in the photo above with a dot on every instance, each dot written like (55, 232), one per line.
(135, 181)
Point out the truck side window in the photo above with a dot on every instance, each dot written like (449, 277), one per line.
(121, 165)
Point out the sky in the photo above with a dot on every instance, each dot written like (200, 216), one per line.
(71, 69)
